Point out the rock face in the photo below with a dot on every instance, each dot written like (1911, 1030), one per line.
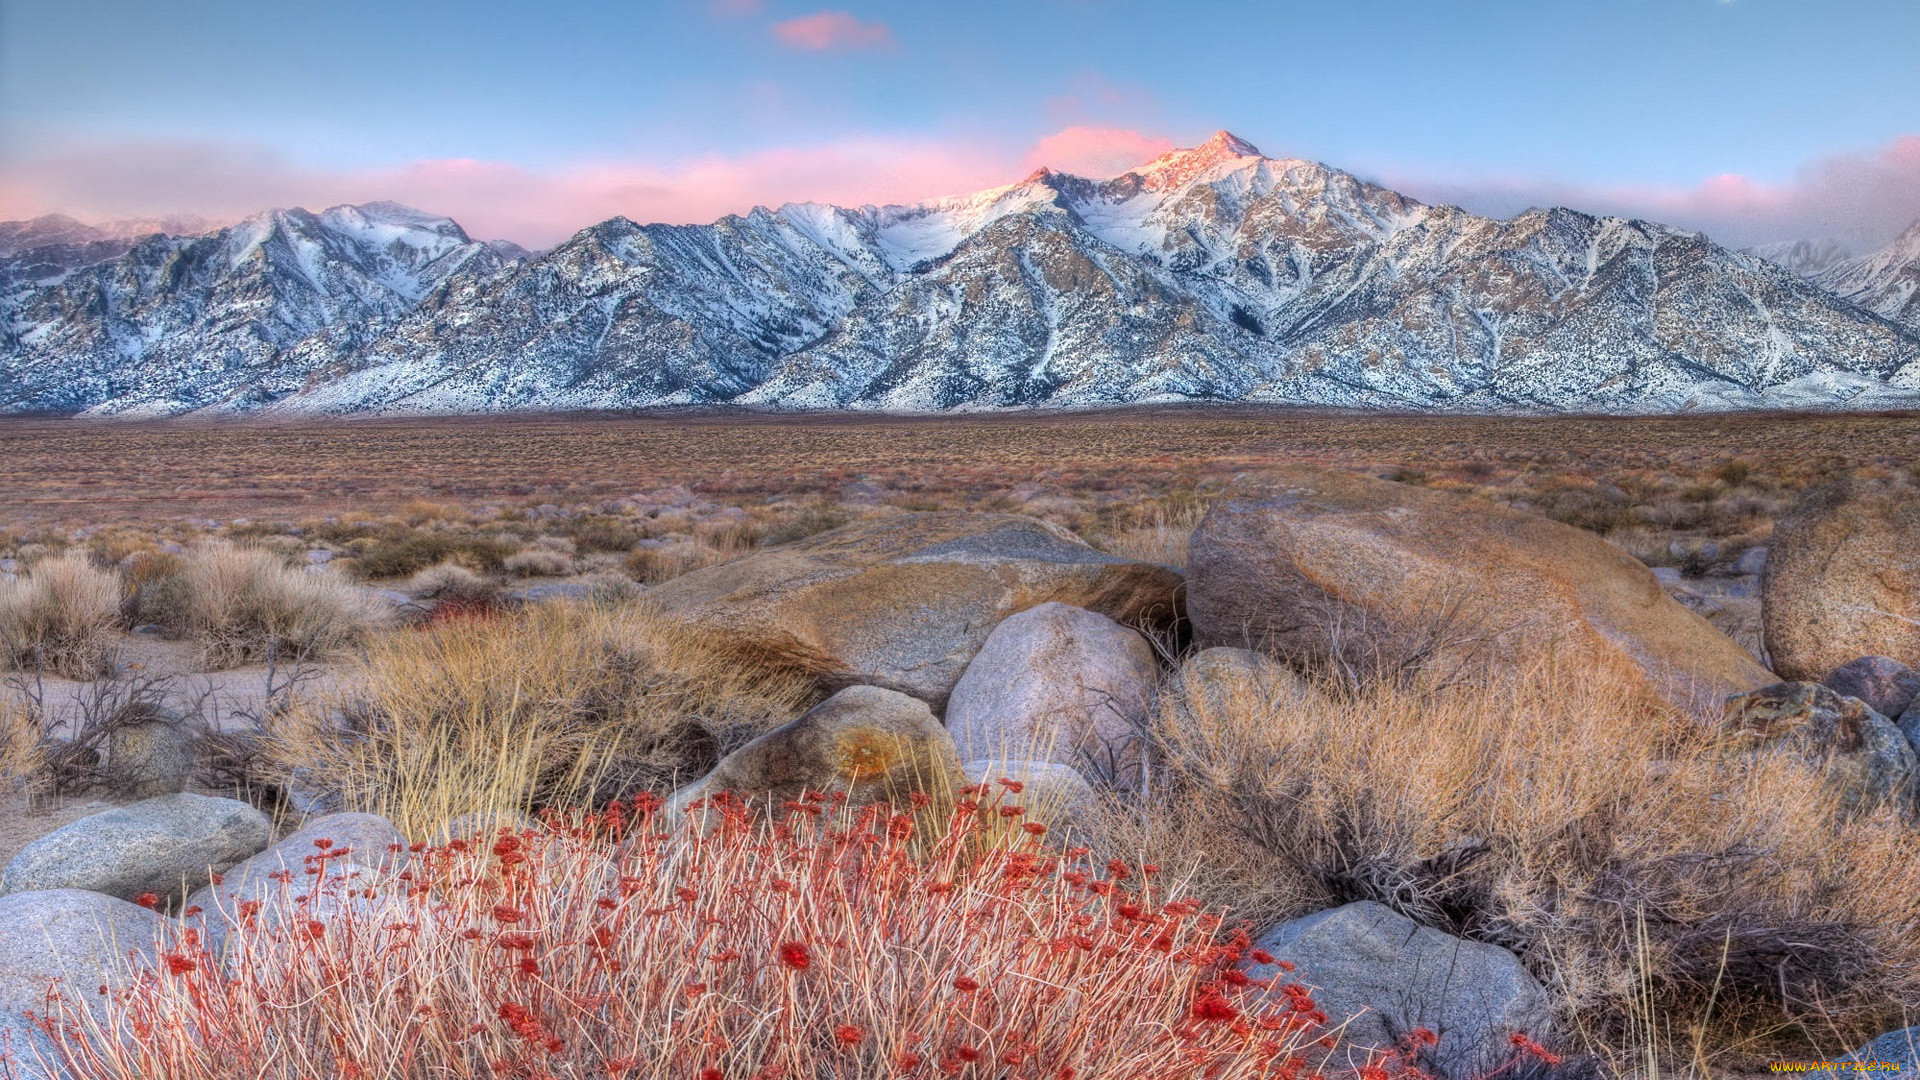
(166, 846)
(1056, 683)
(1886, 685)
(151, 758)
(1367, 961)
(871, 743)
(74, 939)
(1864, 756)
(906, 602)
(1223, 671)
(358, 852)
(1843, 579)
(1054, 794)
(1312, 565)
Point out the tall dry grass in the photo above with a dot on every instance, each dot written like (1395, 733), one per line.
(1667, 891)
(244, 605)
(852, 945)
(557, 704)
(59, 618)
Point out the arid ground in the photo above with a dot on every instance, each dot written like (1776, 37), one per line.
(73, 472)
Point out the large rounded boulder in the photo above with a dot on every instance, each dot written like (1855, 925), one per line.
(1314, 565)
(167, 846)
(905, 602)
(1056, 683)
(1842, 579)
(312, 872)
(71, 942)
(867, 742)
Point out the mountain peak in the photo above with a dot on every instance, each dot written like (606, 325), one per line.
(1176, 167)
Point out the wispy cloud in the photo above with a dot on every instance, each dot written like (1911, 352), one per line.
(828, 30)
(1868, 195)
(1865, 196)
(500, 199)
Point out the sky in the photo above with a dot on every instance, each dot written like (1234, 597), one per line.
(1754, 120)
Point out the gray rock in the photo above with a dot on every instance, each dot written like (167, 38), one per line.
(319, 556)
(360, 853)
(907, 601)
(1054, 794)
(1668, 577)
(1901, 1048)
(152, 758)
(1751, 561)
(558, 590)
(1885, 684)
(26, 1053)
(872, 743)
(1225, 670)
(167, 846)
(75, 941)
(1056, 683)
(1392, 975)
(1863, 755)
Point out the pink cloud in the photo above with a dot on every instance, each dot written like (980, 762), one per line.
(539, 207)
(1864, 196)
(1868, 195)
(825, 30)
(1097, 151)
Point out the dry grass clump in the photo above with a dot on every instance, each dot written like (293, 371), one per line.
(59, 618)
(539, 562)
(1662, 889)
(23, 748)
(557, 704)
(855, 945)
(246, 605)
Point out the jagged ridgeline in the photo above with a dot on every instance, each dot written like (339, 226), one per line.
(1212, 274)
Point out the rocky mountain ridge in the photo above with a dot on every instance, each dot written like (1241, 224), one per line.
(1214, 273)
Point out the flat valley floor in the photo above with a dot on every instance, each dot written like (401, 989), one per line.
(67, 473)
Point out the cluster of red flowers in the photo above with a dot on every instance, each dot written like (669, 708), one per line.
(850, 941)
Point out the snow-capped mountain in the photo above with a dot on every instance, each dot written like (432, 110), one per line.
(177, 323)
(1214, 273)
(1887, 281)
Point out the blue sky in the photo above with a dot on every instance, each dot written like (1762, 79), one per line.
(1750, 117)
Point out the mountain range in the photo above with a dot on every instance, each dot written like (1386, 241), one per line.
(1209, 274)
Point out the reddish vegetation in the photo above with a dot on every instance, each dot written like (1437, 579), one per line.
(841, 942)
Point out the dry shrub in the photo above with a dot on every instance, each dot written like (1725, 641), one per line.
(853, 946)
(60, 617)
(811, 519)
(451, 583)
(539, 562)
(1157, 534)
(23, 748)
(558, 704)
(1649, 878)
(244, 605)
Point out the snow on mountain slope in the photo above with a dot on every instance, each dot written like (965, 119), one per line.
(178, 323)
(1887, 281)
(1214, 273)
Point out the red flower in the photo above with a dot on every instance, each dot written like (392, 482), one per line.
(1035, 828)
(148, 900)
(507, 913)
(796, 956)
(848, 1035)
(1212, 1006)
(711, 1073)
(907, 1059)
(179, 963)
(965, 985)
